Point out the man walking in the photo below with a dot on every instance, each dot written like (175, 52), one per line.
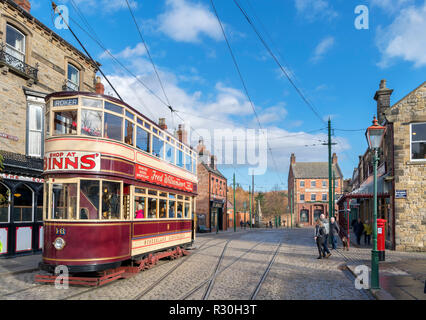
(358, 230)
(327, 231)
(334, 232)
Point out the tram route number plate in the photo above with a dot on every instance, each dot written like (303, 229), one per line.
(60, 231)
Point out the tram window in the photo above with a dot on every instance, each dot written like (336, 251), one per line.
(91, 123)
(113, 107)
(188, 162)
(113, 127)
(39, 206)
(152, 208)
(4, 203)
(186, 210)
(65, 122)
(93, 103)
(148, 126)
(110, 200)
(152, 192)
(129, 132)
(140, 190)
(140, 121)
(47, 123)
(179, 209)
(180, 158)
(172, 208)
(140, 207)
(163, 208)
(89, 199)
(142, 139)
(157, 147)
(64, 201)
(163, 194)
(130, 115)
(170, 153)
(179, 196)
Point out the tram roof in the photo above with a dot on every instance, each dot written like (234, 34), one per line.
(60, 94)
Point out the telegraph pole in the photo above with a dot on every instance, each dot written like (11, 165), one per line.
(291, 208)
(235, 223)
(252, 195)
(330, 191)
(250, 204)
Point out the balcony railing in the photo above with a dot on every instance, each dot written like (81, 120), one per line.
(16, 64)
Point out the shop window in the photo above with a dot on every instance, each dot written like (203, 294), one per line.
(179, 210)
(140, 204)
(186, 210)
(129, 128)
(73, 78)
(64, 201)
(15, 44)
(157, 147)
(92, 103)
(91, 123)
(162, 208)
(418, 141)
(170, 153)
(110, 200)
(113, 128)
(23, 204)
(65, 122)
(89, 199)
(152, 208)
(39, 206)
(4, 203)
(142, 139)
(35, 138)
(113, 107)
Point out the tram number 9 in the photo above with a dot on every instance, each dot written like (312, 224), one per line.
(60, 231)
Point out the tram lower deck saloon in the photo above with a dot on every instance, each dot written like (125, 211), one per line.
(117, 186)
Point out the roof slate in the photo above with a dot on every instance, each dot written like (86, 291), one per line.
(314, 170)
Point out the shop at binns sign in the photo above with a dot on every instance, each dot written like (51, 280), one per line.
(72, 160)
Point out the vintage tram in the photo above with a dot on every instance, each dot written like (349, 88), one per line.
(118, 187)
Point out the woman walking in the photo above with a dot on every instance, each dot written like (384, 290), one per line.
(320, 235)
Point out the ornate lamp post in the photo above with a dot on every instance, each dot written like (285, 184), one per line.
(374, 135)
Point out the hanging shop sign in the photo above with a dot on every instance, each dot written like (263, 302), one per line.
(71, 161)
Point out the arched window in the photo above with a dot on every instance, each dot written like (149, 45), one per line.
(23, 204)
(4, 203)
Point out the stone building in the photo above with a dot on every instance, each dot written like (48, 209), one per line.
(308, 189)
(401, 172)
(34, 61)
(212, 192)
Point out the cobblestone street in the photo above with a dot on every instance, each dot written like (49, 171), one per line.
(224, 266)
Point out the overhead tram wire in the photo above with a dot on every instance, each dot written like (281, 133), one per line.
(84, 48)
(309, 104)
(241, 77)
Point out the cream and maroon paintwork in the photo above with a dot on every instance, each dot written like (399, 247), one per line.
(96, 245)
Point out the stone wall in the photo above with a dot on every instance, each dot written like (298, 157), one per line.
(410, 213)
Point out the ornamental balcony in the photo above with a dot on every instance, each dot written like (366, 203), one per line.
(16, 65)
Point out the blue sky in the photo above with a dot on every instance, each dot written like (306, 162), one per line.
(337, 66)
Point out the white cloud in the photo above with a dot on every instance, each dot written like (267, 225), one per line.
(128, 52)
(187, 22)
(404, 38)
(99, 6)
(312, 10)
(321, 49)
(391, 6)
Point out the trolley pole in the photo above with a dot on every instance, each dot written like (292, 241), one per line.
(334, 191)
(250, 204)
(235, 223)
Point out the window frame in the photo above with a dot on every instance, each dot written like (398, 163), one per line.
(69, 64)
(13, 48)
(32, 104)
(411, 142)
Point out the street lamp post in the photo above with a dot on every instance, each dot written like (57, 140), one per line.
(374, 135)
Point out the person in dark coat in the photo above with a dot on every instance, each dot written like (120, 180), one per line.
(334, 232)
(358, 230)
(320, 237)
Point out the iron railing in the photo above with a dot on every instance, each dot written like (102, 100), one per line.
(17, 64)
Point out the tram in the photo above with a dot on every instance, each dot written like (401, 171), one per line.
(117, 187)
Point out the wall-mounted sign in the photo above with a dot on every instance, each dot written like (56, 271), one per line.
(20, 178)
(8, 136)
(400, 194)
(155, 176)
(72, 160)
(65, 102)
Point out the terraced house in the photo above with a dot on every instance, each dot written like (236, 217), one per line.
(34, 61)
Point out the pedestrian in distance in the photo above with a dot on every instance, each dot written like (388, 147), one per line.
(334, 232)
(358, 230)
(319, 237)
(270, 224)
(241, 223)
(327, 231)
(368, 230)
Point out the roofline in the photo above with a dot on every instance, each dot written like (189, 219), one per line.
(423, 84)
(31, 17)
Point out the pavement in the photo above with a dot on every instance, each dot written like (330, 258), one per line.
(402, 276)
(20, 264)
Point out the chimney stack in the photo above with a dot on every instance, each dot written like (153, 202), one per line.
(24, 4)
(182, 134)
(162, 123)
(334, 159)
(99, 87)
(292, 159)
(212, 162)
(382, 97)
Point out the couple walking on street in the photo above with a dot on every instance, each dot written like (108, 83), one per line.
(322, 230)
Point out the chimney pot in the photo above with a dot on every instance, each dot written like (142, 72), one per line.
(24, 4)
(99, 87)
(162, 123)
(292, 159)
(382, 97)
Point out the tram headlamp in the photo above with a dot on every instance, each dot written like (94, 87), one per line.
(59, 243)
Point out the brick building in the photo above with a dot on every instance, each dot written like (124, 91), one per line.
(211, 204)
(401, 183)
(34, 61)
(308, 189)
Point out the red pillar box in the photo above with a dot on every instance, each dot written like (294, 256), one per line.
(381, 235)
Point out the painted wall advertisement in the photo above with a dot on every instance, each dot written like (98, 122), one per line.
(154, 176)
(72, 160)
